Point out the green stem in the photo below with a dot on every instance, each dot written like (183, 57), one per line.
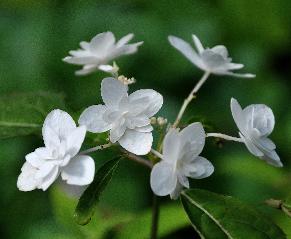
(155, 217)
(190, 97)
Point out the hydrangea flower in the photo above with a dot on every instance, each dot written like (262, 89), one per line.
(126, 116)
(63, 140)
(180, 160)
(256, 122)
(96, 54)
(214, 60)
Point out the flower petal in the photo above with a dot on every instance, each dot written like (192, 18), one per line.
(26, 180)
(75, 140)
(80, 170)
(49, 179)
(221, 50)
(234, 66)
(81, 60)
(45, 170)
(183, 180)
(194, 135)
(117, 131)
(102, 43)
(260, 117)
(145, 129)
(154, 101)
(106, 68)
(85, 45)
(50, 137)
(38, 157)
(136, 142)
(125, 50)
(112, 91)
(73, 191)
(163, 179)
(92, 118)
(58, 124)
(266, 143)
(87, 69)
(124, 40)
(252, 147)
(187, 50)
(272, 158)
(245, 75)
(238, 116)
(198, 44)
(200, 168)
(139, 121)
(213, 61)
(177, 191)
(171, 146)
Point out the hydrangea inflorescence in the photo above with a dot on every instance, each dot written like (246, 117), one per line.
(129, 120)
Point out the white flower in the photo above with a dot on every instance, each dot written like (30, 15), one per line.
(256, 123)
(180, 160)
(126, 116)
(62, 141)
(96, 54)
(214, 60)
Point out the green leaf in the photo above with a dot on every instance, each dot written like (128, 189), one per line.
(23, 114)
(217, 216)
(88, 201)
(104, 220)
(171, 219)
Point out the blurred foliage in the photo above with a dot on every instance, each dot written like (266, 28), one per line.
(36, 35)
(23, 114)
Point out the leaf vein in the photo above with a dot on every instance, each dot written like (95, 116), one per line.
(208, 214)
(19, 124)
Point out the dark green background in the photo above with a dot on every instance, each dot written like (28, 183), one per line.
(36, 35)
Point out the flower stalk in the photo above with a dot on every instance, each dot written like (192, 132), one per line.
(99, 147)
(156, 153)
(224, 136)
(155, 217)
(190, 97)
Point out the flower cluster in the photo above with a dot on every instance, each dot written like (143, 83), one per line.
(129, 120)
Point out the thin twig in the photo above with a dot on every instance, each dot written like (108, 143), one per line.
(224, 136)
(190, 97)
